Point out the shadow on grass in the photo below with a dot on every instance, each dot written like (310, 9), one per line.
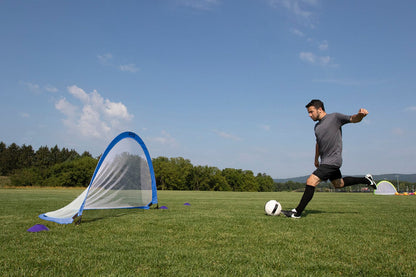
(93, 218)
(90, 216)
(312, 212)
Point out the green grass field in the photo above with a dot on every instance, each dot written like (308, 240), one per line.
(220, 234)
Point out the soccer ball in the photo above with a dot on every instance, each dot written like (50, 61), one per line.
(272, 207)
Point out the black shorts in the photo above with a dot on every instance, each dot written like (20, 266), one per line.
(325, 172)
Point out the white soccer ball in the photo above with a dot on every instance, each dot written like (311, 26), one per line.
(272, 207)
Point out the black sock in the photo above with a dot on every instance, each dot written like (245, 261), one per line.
(307, 196)
(350, 181)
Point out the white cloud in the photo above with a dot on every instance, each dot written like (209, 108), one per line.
(199, 4)
(129, 68)
(66, 108)
(312, 2)
(296, 8)
(324, 60)
(307, 57)
(304, 13)
(32, 87)
(79, 93)
(105, 59)
(95, 116)
(303, 10)
(117, 110)
(227, 135)
(108, 60)
(50, 88)
(323, 45)
(316, 60)
(36, 88)
(298, 33)
(165, 139)
(91, 123)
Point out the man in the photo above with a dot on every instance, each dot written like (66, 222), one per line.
(328, 135)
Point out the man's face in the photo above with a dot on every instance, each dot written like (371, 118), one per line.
(315, 114)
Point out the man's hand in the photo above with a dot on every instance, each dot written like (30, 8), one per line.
(363, 112)
(359, 116)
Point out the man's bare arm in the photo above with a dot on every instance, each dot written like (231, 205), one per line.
(359, 116)
(316, 156)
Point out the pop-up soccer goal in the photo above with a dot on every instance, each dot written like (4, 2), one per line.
(385, 188)
(123, 179)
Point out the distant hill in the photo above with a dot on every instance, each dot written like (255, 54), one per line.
(301, 179)
(392, 177)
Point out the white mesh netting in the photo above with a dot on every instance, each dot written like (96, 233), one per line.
(123, 179)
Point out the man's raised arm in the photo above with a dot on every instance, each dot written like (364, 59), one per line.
(359, 116)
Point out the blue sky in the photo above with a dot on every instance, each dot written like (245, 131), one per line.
(222, 83)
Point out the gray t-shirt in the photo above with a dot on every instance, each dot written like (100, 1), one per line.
(329, 138)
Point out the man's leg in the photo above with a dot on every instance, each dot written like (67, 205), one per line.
(311, 183)
(339, 183)
(350, 181)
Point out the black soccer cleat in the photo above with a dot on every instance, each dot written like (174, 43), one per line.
(372, 184)
(292, 213)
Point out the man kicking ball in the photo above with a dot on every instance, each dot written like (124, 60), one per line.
(328, 135)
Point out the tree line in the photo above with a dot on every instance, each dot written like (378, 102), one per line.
(63, 167)
(45, 166)
(180, 174)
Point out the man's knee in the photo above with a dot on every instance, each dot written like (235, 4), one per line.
(313, 181)
(338, 183)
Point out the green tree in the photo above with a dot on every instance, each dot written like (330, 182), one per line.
(163, 170)
(218, 182)
(265, 182)
(75, 173)
(173, 173)
(31, 176)
(198, 178)
(3, 148)
(181, 169)
(235, 178)
(26, 156)
(207, 178)
(43, 157)
(11, 159)
(86, 154)
(68, 155)
(249, 181)
(55, 155)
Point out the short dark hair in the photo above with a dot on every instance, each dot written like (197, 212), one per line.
(316, 103)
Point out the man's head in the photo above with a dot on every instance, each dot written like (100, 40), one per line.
(316, 109)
